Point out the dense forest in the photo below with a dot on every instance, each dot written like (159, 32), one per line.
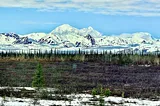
(119, 58)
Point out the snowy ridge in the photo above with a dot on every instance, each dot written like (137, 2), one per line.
(66, 36)
(91, 31)
(140, 37)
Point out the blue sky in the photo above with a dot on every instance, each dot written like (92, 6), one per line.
(110, 17)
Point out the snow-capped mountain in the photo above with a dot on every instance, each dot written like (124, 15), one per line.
(91, 31)
(68, 36)
(67, 33)
(12, 38)
(13, 35)
(141, 37)
(35, 36)
(23, 40)
(114, 41)
(8, 38)
(64, 30)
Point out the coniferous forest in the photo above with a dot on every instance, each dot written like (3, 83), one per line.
(108, 57)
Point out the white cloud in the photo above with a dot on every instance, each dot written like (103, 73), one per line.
(108, 7)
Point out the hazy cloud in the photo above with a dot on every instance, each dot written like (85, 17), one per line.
(108, 7)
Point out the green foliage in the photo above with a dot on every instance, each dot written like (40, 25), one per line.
(107, 92)
(101, 91)
(38, 80)
(94, 91)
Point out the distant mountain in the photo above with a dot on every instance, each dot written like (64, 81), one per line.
(68, 36)
(12, 38)
(13, 35)
(67, 33)
(8, 38)
(140, 37)
(64, 30)
(23, 40)
(35, 36)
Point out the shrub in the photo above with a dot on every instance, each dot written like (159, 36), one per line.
(94, 91)
(101, 91)
(107, 92)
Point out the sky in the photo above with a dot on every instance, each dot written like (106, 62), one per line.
(109, 17)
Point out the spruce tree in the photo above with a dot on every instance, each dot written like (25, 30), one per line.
(38, 80)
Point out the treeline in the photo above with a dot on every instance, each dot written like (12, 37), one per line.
(108, 57)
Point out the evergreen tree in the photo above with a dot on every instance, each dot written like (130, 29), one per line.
(38, 80)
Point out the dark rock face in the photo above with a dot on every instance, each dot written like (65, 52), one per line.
(47, 40)
(11, 35)
(68, 44)
(23, 40)
(19, 40)
(78, 44)
(143, 42)
(89, 37)
(51, 42)
(93, 41)
(41, 40)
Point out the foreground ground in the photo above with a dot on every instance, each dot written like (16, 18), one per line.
(74, 100)
(137, 81)
(79, 100)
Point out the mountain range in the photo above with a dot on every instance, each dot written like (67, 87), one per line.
(66, 36)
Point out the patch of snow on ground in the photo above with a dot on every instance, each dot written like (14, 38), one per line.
(79, 100)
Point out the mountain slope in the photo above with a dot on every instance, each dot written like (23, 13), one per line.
(8, 38)
(91, 31)
(35, 36)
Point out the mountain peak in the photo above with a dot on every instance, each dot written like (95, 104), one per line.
(90, 31)
(64, 29)
(65, 25)
(90, 28)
